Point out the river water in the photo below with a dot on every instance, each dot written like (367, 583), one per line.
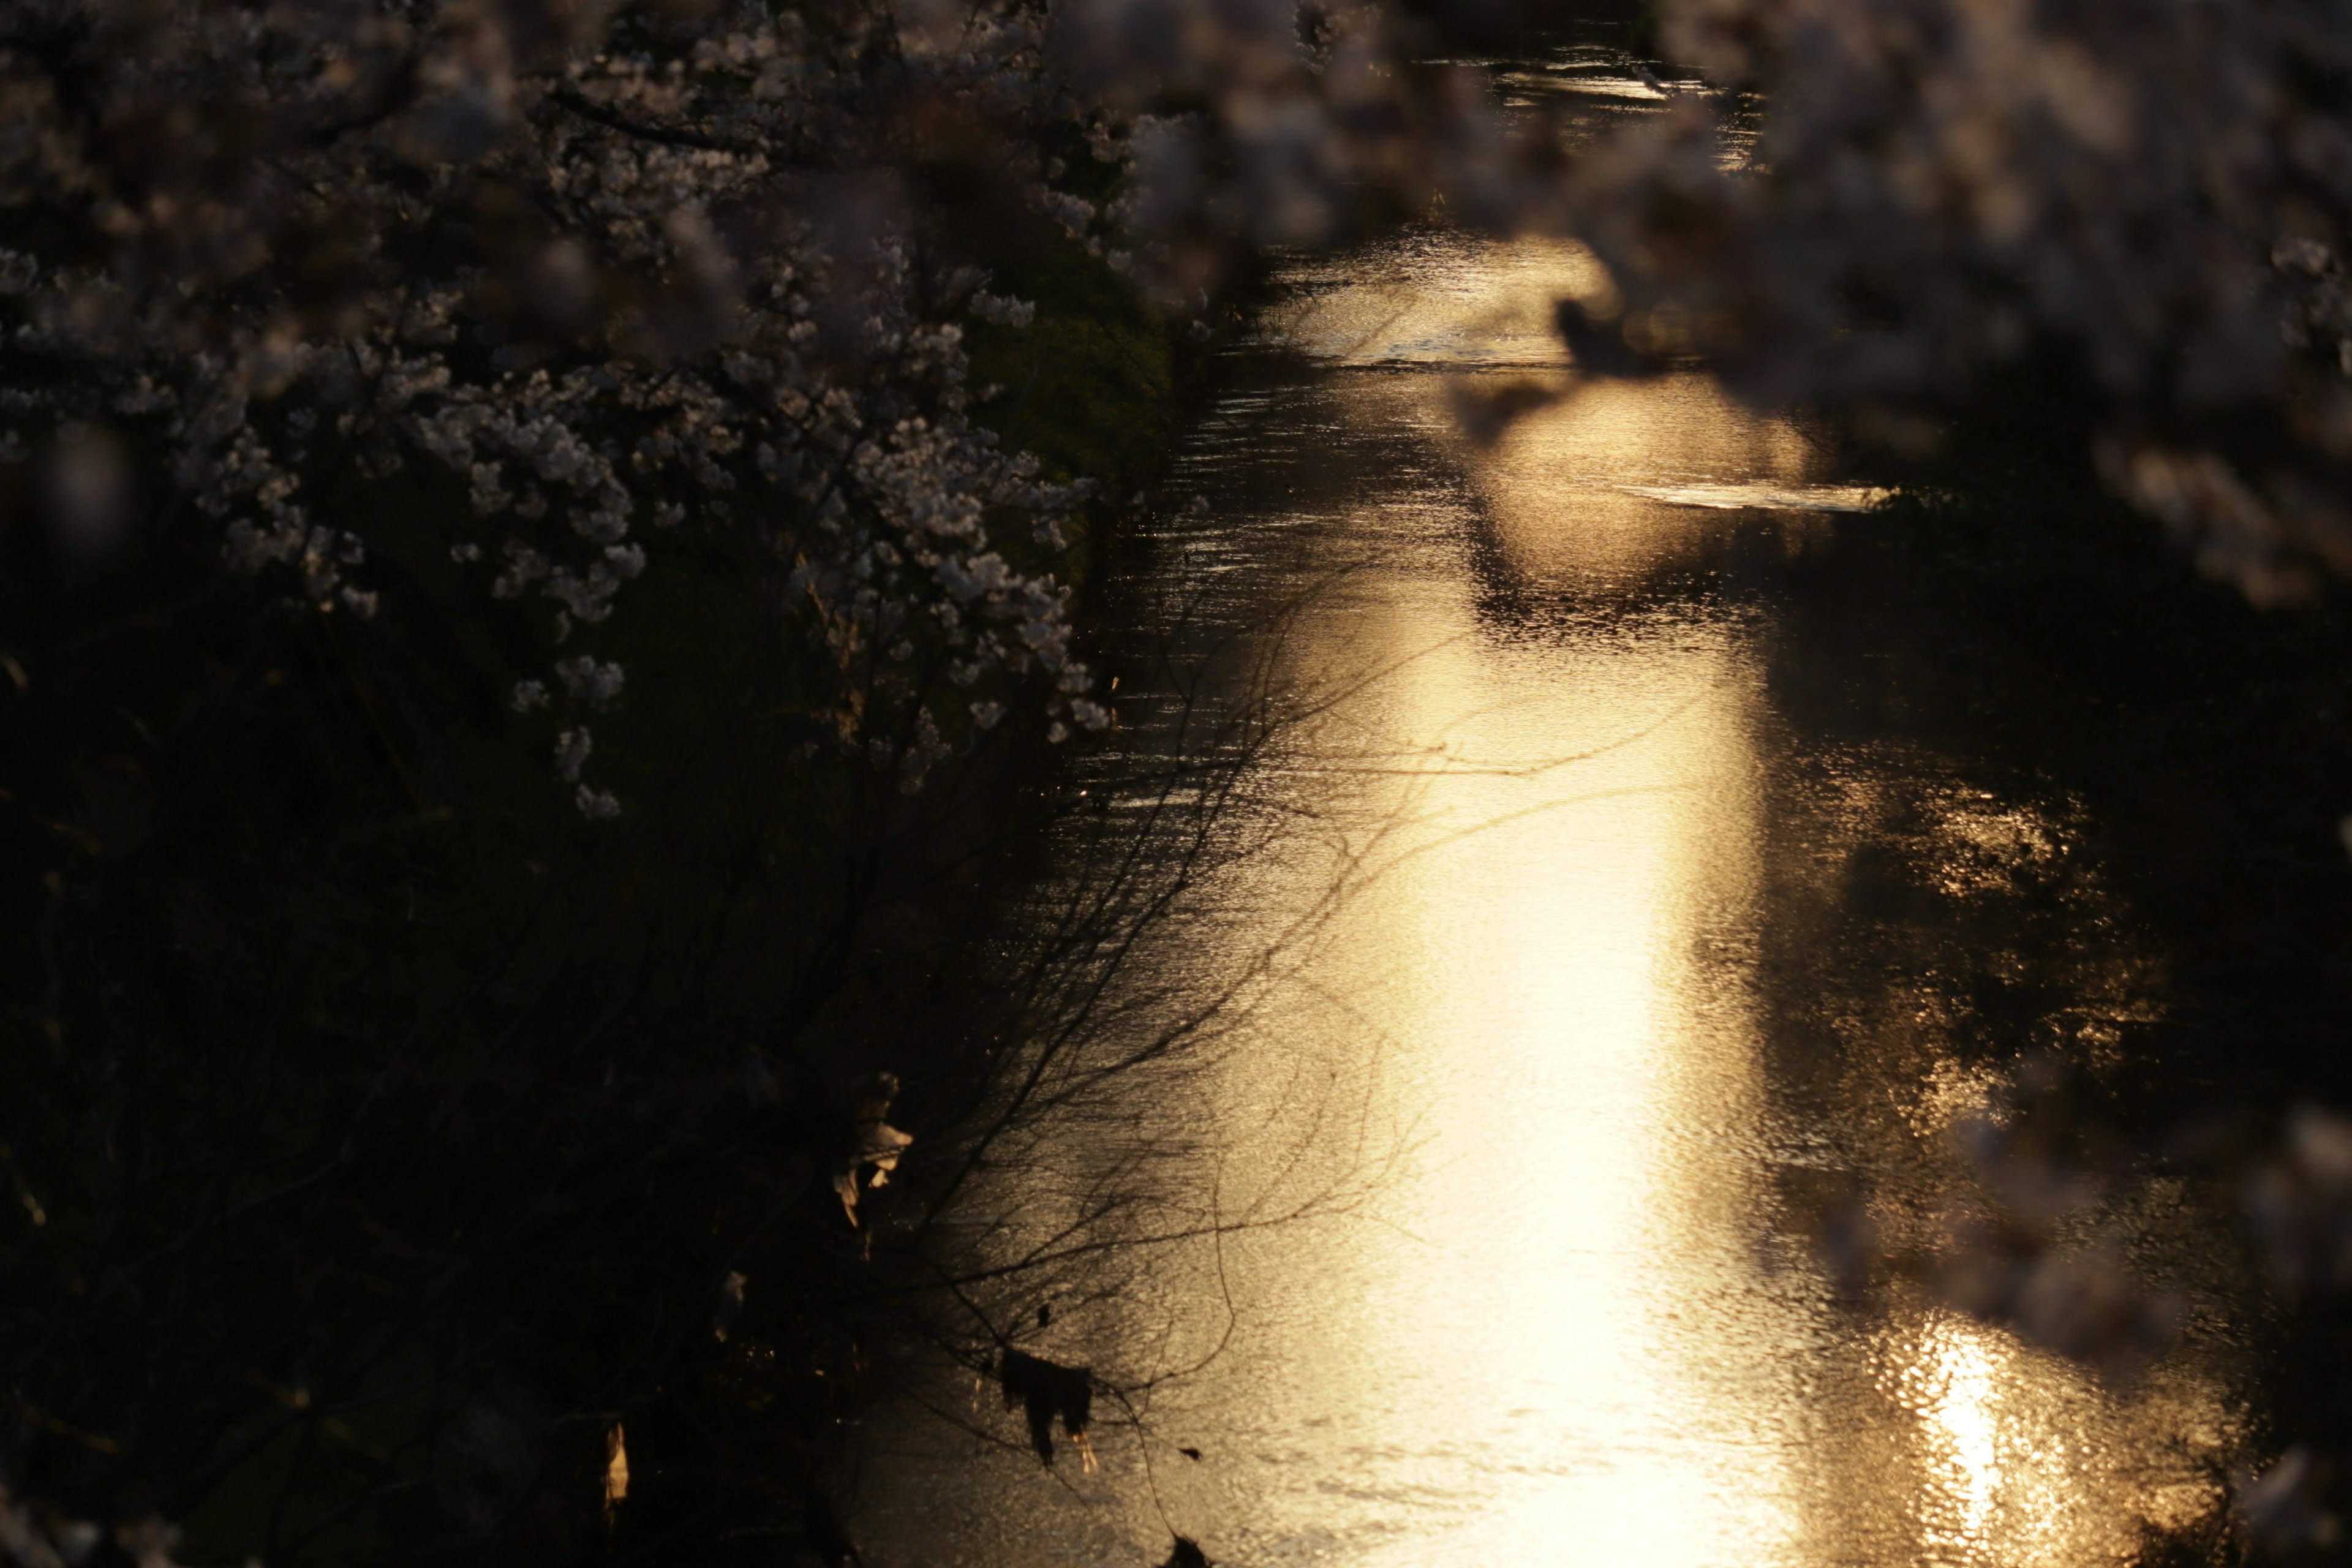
(1516, 1146)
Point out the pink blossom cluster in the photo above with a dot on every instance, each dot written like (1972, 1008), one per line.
(1937, 191)
(594, 276)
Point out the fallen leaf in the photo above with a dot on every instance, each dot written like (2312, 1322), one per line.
(1044, 1389)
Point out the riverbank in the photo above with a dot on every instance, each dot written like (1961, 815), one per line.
(400, 1159)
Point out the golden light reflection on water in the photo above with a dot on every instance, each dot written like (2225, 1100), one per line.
(1524, 1331)
(2022, 1460)
(1563, 1327)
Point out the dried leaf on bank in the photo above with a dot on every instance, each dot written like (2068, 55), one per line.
(877, 1144)
(1044, 1389)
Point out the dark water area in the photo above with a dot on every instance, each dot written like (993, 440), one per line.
(1706, 862)
(2065, 653)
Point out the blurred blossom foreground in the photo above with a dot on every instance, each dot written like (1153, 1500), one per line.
(590, 273)
(636, 771)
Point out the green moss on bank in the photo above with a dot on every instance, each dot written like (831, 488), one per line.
(1090, 385)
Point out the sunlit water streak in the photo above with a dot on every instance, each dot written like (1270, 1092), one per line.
(1567, 1321)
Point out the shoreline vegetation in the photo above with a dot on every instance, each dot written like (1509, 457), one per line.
(384, 1140)
(469, 960)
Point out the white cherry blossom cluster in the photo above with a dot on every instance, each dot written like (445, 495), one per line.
(586, 279)
(1939, 190)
